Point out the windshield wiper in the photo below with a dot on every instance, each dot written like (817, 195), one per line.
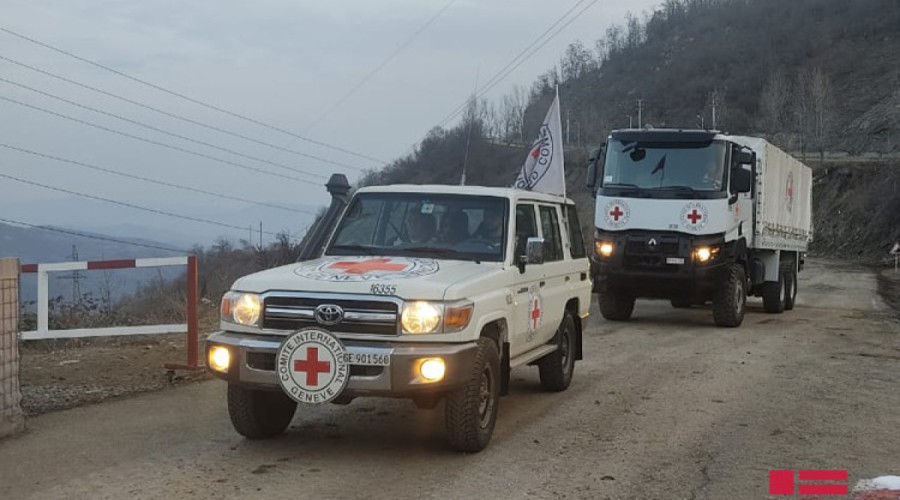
(362, 249)
(621, 184)
(441, 251)
(685, 189)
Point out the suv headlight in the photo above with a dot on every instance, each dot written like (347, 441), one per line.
(421, 317)
(241, 308)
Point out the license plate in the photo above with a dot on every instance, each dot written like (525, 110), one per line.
(675, 260)
(367, 359)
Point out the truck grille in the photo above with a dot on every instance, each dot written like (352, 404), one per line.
(640, 255)
(360, 315)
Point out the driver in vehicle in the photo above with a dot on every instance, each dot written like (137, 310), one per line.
(491, 227)
(454, 227)
(420, 229)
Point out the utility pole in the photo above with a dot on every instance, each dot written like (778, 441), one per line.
(701, 121)
(568, 127)
(640, 106)
(75, 276)
(260, 235)
(629, 121)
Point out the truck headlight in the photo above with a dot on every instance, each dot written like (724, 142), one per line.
(241, 308)
(706, 253)
(420, 317)
(603, 248)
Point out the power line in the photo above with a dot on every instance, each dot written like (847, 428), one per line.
(162, 111)
(190, 99)
(154, 181)
(519, 59)
(93, 236)
(129, 205)
(157, 143)
(380, 66)
(179, 136)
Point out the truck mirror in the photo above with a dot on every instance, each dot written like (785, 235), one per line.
(742, 178)
(744, 158)
(593, 167)
(534, 251)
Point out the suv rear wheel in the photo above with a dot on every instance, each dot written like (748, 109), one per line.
(556, 368)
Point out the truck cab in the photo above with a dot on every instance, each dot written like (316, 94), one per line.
(696, 216)
(423, 292)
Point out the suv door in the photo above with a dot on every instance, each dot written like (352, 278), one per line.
(554, 286)
(527, 302)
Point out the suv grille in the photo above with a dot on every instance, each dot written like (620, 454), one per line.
(371, 316)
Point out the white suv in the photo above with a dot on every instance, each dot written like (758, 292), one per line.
(425, 292)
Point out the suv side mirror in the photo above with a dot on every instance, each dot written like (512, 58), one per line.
(593, 167)
(534, 251)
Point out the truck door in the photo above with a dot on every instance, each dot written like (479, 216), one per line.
(553, 287)
(527, 298)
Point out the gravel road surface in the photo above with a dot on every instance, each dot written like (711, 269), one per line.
(664, 406)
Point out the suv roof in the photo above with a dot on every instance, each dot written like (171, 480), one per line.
(511, 193)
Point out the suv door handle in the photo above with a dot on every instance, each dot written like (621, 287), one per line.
(568, 278)
(524, 289)
(543, 283)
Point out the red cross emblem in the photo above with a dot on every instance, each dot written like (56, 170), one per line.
(694, 216)
(535, 313)
(312, 366)
(367, 266)
(616, 213)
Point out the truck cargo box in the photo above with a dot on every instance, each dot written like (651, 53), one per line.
(784, 201)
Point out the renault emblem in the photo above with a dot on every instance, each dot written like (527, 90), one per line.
(652, 243)
(329, 314)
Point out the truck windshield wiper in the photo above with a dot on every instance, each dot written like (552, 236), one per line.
(622, 185)
(686, 189)
(362, 249)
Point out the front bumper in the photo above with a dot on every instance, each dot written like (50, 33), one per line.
(668, 271)
(253, 365)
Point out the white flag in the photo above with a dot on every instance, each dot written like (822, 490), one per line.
(543, 169)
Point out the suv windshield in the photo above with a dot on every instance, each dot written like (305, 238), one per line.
(439, 226)
(686, 166)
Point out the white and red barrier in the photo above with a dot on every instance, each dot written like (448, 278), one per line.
(43, 297)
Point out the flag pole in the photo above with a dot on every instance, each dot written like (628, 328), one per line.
(462, 179)
(562, 149)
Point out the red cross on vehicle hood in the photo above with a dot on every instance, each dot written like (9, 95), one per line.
(426, 279)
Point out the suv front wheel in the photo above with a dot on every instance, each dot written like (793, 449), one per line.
(471, 411)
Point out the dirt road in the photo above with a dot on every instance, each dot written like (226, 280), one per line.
(665, 406)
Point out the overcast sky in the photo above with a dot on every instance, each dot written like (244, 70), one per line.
(281, 62)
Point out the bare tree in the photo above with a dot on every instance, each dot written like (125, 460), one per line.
(773, 103)
(822, 116)
(716, 109)
(512, 115)
(802, 104)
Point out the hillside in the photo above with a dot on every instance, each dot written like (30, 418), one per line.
(811, 75)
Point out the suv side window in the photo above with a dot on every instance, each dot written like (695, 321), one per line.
(576, 245)
(526, 227)
(550, 229)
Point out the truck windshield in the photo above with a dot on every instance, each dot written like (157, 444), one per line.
(659, 166)
(423, 225)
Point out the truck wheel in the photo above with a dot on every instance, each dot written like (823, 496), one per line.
(774, 295)
(259, 414)
(615, 306)
(790, 284)
(471, 411)
(730, 299)
(557, 367)
(681, 303)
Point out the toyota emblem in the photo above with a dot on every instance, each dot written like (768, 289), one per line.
(329, 314)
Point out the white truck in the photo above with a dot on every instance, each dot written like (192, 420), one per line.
(694, 216)
(423, 292)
